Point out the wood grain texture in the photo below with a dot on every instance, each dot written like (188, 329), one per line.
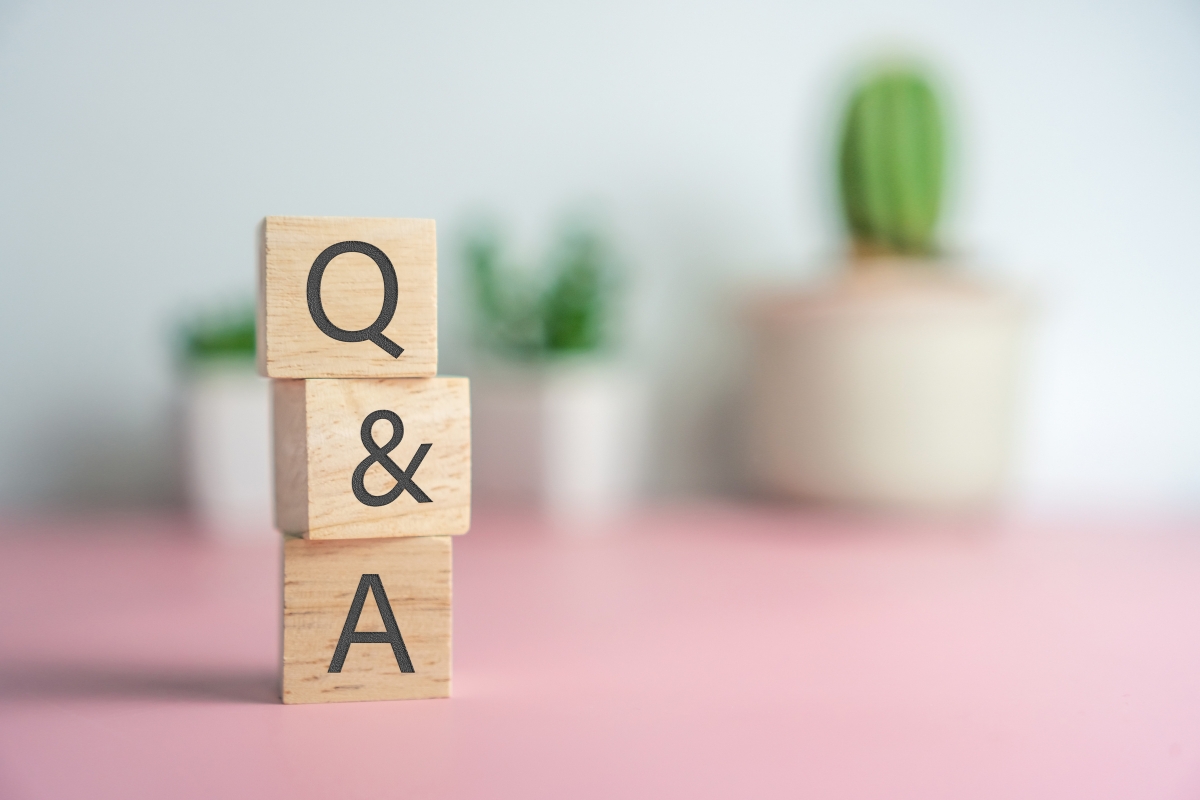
(290, 455)
(291, 345)
(319, 584)
(318, 446)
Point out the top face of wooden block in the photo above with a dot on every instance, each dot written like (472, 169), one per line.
(341, 297)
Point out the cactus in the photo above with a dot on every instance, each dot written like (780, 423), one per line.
(891, 163)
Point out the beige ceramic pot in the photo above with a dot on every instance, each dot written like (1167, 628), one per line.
(891, 387)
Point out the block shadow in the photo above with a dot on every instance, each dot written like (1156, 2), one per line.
(65, 682)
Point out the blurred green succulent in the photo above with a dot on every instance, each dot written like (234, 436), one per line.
(892, 162)
(222, 333)
(562, 308)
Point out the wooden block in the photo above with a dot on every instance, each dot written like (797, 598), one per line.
(341, 297)
(359, 459)
(366, 619)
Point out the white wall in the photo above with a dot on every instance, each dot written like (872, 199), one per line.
(141, 142)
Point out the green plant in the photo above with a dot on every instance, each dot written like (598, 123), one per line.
(222, 333)
(562, 308)
(892, 162)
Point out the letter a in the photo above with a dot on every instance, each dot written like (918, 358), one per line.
(390, 634)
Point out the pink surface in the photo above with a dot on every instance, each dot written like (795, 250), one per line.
(706, 652)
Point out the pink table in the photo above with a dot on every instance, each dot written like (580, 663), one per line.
(691, 652)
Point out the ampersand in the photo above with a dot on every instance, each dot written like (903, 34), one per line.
(379, 455)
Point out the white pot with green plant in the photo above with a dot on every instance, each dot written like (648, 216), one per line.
(892, 385)
(226, 427)
(557, 423)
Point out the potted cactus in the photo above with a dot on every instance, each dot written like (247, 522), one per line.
(893, 384)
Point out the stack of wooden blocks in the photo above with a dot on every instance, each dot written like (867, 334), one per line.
(372, 456)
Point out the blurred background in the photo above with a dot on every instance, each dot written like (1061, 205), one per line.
(142, 144)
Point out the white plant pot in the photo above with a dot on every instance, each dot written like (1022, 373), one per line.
(227, 453)
(893, 388)
(564, 437)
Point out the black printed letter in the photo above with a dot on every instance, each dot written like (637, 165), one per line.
(390, 634)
